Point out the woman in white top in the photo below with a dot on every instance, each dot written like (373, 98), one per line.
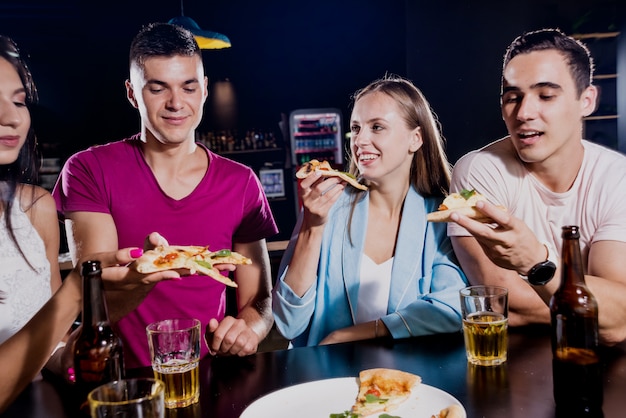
(366, 264)
(29, 228)
(32, 322)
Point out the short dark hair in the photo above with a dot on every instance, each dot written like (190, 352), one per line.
(162, 40)
(575, 52)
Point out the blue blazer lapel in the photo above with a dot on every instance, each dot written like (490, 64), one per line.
(352, 253)
(407, 262)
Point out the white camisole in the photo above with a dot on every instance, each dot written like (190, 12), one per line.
(24, 290)
(373, 289)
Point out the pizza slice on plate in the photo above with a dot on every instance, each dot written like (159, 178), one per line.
(196, 259)
(383, 390)
(325, 168)
(464, 203)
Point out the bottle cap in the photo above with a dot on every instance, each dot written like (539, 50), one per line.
(90, 267)
(572, 231)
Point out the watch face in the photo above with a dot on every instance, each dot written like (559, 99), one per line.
(542, 273)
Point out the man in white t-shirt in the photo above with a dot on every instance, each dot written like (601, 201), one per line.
(547, 176)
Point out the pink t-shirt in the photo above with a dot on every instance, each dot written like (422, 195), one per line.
(596, 201)
(227, 206)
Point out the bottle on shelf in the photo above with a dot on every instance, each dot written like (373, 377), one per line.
(576, 366)
(227, 141)
(98, 356)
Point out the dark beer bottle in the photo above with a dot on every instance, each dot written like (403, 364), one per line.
(98, 357)
(576, 366)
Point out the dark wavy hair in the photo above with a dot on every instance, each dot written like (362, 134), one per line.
(25, 168)
(576, 54)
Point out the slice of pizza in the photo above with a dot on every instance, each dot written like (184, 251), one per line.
(383, 390)
(464, 203)
(228, 257)
(191, 258)
(325, 168)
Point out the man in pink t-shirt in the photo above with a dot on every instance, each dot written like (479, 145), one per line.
(548, 177)
(161, 180)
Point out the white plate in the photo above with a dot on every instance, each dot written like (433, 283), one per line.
(321, 398)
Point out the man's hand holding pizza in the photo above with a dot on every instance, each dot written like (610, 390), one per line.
(497, 253)
(507, 240)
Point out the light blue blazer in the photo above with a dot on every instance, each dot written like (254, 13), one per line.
(425, 277)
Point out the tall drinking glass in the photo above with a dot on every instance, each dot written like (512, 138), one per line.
(485, 312)
(175, 353)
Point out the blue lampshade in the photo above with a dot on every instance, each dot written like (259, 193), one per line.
(206, 39)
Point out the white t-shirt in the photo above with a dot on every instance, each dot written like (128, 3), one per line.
(373, 289)
(596, 202)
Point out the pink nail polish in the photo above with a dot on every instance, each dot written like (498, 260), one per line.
(136, 252)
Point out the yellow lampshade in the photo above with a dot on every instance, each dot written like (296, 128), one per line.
(206, 39)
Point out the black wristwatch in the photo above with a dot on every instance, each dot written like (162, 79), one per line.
(541, 273)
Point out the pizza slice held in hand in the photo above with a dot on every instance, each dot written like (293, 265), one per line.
(383, 390)
(464, 203)
(195, 259)
(326, 170)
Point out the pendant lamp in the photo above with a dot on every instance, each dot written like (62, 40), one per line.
(206, 39)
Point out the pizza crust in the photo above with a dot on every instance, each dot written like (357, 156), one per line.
(326, 170)
(456, 202)
(190, 259)
(453, 411)
(469, 211)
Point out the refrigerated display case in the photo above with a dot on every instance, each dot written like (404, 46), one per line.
(316, 134)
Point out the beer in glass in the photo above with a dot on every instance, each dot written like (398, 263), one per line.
(175, 354)
(485, 324)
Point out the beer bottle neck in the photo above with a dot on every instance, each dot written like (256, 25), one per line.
(94, 306)
(572, 273)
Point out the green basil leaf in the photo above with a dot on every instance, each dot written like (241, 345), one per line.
(466, 194)
(221, 253)
(345, 414)
(204, 263)
(387, 416)
(369, 398)
(352, 176)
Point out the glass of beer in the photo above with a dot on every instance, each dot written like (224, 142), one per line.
(485, 323)
(175, 353)
(128, 398)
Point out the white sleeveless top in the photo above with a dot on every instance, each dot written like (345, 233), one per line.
(373, 289)
(24, 290)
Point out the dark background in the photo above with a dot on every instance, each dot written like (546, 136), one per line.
(287, 55)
